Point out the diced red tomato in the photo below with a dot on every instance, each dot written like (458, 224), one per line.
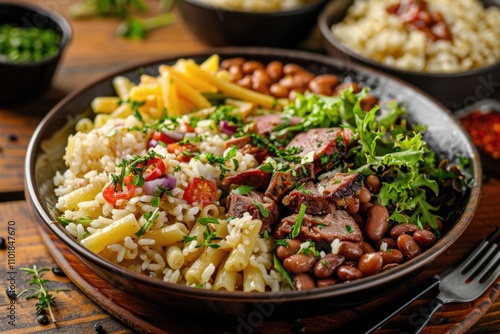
(183, 151)
(161, 137)
(112, 194)
(201, 191)
(154, 169)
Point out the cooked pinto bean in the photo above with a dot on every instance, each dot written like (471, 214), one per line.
(405, 228)
(370, 263)
(367, 248)
(353, 206)
(227, 63)
(376, 222)
(279, 91)
(324, 84)
(235, 73)
(391, 256)
(389, 243)
(303, 282)
(439, 226)
(359, 219)
(250, 66)
(324, 282)
(350, 250)
(292, 68)
(282, 252)
(368, 102)
(260, 87)
(345, 85)
(364, 195)
(329, 264)
(424, 237)
(347, 273)
(408, 246)
(299, 263)
(246, 81)
(364, 207)
(372, 183)
(390, 266)
(260, 75)
(275, 70)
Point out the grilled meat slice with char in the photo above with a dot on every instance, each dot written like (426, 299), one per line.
(255, 177)
(343, 187)
(246, 146)
(283, 182)
(237, 205)
(267, 123)
(308, 194)
(323, 228)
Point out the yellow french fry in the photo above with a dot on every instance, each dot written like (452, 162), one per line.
(230, 88)
(122, 86)
(170, 100)
(211, 64)
(198, 84)
(185, 90)
(104, 104)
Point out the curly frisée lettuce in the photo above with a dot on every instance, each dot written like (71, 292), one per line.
(415, 186)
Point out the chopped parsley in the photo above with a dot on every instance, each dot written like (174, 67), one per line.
(263, 211)
(298, 222)
(150, 218)
(243, 190)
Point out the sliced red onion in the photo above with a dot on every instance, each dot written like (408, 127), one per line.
(152, 143)
(167, 182)
(174, 135)
(227, 128)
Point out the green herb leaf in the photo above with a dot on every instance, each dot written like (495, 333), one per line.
(279, 268)
(243, 190)
(207, 220)
(263, 211)
(298, 222)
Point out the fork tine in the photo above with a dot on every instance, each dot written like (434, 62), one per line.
(472, 257)
(473, 272)
(493, 276)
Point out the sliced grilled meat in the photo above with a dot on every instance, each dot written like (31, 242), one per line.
(266, 123)
(252, 177)
(323, 228)
(256, 204)
(343, 187)
(308, 194)
(283, 182)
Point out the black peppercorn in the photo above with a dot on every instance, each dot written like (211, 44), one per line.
(43, 319)
(58, 271)
(99, 329)
(11, 294)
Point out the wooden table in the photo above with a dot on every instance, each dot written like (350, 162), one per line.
(94, 52)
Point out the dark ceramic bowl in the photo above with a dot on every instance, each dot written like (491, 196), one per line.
(22, 82)
(454, 90)
(223, 27)
(445, 135)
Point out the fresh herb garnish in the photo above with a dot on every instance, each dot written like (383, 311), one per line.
(298, 222)
(263, 211)
(208, 237)
(150, 218)
(279, 268)
(187, 239)
(207, 220)
(39, 290)
(348, 228)
(243, 190)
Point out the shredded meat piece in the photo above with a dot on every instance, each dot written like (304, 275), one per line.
(343, 187)
(237, 205)
(316, 203)
(283, 182)
(252, 177)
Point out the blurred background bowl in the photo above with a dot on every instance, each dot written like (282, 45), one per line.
(454, 90)
(225, 27)
(24, 81)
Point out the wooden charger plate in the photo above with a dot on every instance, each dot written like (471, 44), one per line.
(146, 317)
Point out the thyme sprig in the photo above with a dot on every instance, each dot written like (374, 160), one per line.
(38, 290)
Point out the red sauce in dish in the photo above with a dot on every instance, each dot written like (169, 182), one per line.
(484, 129)
(416, 16)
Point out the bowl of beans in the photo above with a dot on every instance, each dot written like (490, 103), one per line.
(264, 179)
(32, 41)
(275, 23)
(448, 49)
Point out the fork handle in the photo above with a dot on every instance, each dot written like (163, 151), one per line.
(374, 319)
(419, 319)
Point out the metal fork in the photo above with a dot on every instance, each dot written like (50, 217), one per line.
(466, 282)
(376, 318)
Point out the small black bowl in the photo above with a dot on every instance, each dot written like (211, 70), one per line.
(22, 82)
(224, 27)
(454, 90)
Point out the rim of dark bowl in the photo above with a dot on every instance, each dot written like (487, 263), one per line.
(286, 296)
(325, 29)
(272, 13)
(60, 20)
